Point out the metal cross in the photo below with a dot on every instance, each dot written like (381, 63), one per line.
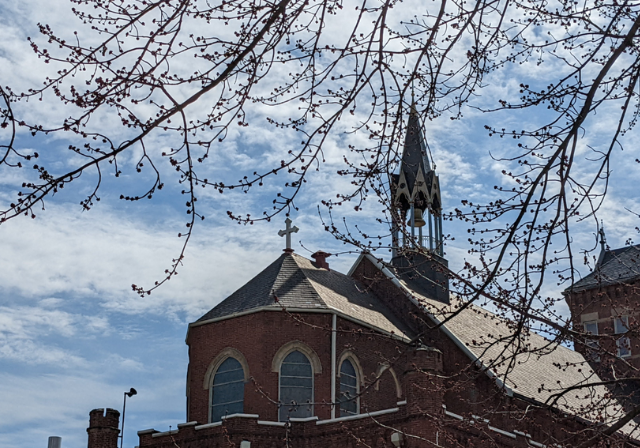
(289, 230)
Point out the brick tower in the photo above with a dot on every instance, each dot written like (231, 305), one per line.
(103, 428)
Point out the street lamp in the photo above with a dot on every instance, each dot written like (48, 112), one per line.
(129, 394)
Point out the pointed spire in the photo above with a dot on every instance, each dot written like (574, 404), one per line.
(414, 155)
(603, 244)
(603, 240)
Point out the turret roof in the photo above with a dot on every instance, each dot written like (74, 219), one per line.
(615, 266)
(294, 283)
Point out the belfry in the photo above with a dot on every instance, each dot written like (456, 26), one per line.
(417, 203)
(415, 192)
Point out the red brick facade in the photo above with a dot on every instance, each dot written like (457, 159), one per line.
(434, 406)
(259, 336)
(601, 305)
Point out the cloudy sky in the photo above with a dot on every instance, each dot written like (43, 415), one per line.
(73, 335)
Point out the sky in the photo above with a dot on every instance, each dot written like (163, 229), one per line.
(73, 334)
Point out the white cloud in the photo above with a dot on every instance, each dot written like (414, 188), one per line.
(27, 334)
(36, 353)
(50, 302)
(124, 363)
(26, 322)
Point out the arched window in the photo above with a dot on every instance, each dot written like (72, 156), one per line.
(296, 387)
(348, 398)
(227, 391)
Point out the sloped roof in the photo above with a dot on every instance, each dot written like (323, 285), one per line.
(616, 266)
(293, 282)
(531, 366)
(540, 367)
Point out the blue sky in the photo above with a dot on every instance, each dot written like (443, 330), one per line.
(73, 335)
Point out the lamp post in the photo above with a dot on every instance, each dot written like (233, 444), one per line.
(129, 394)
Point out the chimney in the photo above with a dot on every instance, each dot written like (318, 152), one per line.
(55, 442)
(103, 428)
(321, 259)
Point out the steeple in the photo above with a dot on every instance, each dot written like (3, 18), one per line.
(415, 194)
(415, 161)
(416, 203)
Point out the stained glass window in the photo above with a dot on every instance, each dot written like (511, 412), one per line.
(296, 387)
(348, 398)
(227, 394)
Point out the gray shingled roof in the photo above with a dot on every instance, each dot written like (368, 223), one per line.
(540, 367)
(616, 266)
(294, 282)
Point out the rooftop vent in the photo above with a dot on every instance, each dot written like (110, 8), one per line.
(321, 259)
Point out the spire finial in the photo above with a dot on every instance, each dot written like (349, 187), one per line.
(288, 231)
(414, 109)
(603, 240)
(603, 244)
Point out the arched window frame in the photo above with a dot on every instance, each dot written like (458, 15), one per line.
(383, 368)
(214, 365)
(348, 355)
(312, 356)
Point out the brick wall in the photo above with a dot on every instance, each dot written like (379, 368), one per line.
(602, 304)
(260, 335)
(410, 429)
(429, 377)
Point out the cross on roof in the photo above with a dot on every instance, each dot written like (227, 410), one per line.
(289, 230)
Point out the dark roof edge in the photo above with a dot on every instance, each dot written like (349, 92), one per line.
(599, 284)
(601, 264)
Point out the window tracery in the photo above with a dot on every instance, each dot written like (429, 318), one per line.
(296, 387)
(349, 388)
(227, 390)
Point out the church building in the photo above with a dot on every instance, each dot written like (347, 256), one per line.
(303, 356)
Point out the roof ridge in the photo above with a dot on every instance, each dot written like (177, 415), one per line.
(313, 282)
(294, 258)
(282, 259)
